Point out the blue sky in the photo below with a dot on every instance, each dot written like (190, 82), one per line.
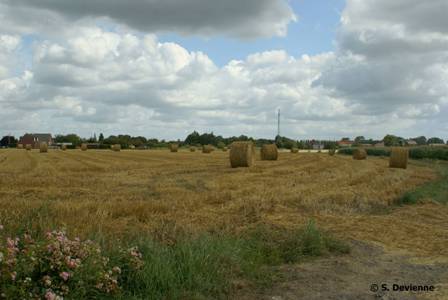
(313, 33)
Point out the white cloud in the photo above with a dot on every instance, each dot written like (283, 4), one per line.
(392, 57)
(387, 75)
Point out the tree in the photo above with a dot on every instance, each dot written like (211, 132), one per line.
(74, 139)
(359, 139)
(278, 141)
(101, 138)
(421, 140)
(192, 138)
(435, 140)
(390, 140)
(8, 141)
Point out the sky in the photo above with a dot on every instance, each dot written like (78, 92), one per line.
(163, 68)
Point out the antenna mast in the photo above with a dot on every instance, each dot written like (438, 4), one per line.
(278, 123)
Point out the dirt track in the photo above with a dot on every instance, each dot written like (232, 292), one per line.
(349, 277)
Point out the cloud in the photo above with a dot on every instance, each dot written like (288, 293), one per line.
(387, 74)
(392, 57)
(97, 73)
(242, 19)
(8, 45)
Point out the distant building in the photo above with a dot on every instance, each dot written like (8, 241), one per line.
(345, 144)
(411, 143)
(379, 145)
(318, 146)
(36, 139)
(437, 145)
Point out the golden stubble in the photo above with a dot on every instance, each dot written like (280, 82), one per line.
(133, 193)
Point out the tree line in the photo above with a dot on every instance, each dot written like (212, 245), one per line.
(197, 139)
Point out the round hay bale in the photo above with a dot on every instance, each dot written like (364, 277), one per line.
(83, 147)
(294, 150)
(28, 147)
(43, 147)
(359, 154)
(269, 152)
(19, 146)
(242, 154)
(116, 147)
(399, 158)
(332, 152)
(192, 149)
(64, 147)
(207, 149)
(174, 147)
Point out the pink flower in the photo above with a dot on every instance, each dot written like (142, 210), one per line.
(64, 275)
(71, 263)
(49, 295)
(10, 243)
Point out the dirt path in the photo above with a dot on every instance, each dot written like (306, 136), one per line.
(350, 277)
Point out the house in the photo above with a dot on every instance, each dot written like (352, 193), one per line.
(345, 144)
(318, 146)
(36, 139)
(379, 145)
(411, 143)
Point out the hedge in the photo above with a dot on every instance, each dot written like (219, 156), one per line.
(414, 153)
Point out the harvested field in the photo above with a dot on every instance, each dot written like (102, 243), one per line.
(135, 192)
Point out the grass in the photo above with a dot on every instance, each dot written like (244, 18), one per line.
(436, 190)
(208, 265)
(189, 266)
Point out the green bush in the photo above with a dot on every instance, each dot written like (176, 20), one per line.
(440, 153)
(378, 151)
(221, 145)
(346, 151)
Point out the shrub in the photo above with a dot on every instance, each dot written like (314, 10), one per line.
(56, 267)
(378, 151)
(346, 151)
(221, 145)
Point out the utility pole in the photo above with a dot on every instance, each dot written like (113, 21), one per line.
(278, 123)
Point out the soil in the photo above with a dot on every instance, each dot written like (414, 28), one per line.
(350, 276)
